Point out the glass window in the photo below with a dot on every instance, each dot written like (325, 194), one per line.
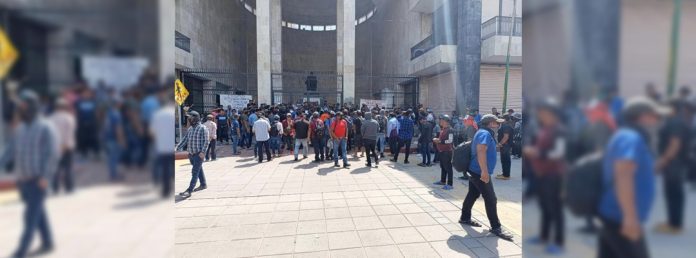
(362, 19)
(330, 27)
(369, 15)
(283, 24)
(318, 28)
(305, 27)
(293, 25)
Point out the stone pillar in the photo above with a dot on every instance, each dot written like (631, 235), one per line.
(166, 28)
(468, 55)
(595, 58)
(345, 37)
(60, 68)
(263, 51)
(276, 50)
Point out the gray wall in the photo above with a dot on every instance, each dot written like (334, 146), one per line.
(217, 30)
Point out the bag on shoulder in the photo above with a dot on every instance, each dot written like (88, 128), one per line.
(461, 157)
(274, 130)
(584, 186)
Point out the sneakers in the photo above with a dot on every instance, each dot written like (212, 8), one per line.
(336, 165)
(405, 161)
(421, 165)
(368, 165)
(447, 187)
(295, 158)
(393, 160)
(200, 188)
(668, 229)
(439, 183)
(501, 177)
(501, 234)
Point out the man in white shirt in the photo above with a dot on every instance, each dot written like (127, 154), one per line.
(393, 133)
(164, 142)
(261, 129)
(212, 131)
(65, 122)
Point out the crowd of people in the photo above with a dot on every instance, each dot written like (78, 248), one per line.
(635, 140)
(334, 132)
(48, 133)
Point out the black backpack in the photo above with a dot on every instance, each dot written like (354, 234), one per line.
(584, 186)
(461, 157)
(274, 129)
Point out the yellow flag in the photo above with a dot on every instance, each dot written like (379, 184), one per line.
(8, 54)
(180, 92)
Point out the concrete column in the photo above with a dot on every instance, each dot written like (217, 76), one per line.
(166, 28)
(60, 66)
(263, 51)
(345, 36)
(595, 58)
(468, 54)
(276, 49)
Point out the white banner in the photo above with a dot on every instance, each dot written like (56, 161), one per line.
(372, 102)
(237, 102)
(115, 72)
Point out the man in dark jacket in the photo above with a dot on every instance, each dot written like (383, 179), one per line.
(426, 136)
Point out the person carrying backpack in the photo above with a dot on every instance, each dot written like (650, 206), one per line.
(444, 145)
(275, 133)
(483, 160)
(547, 155)
(628, 185)
(316, 135)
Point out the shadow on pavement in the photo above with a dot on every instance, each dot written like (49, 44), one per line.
(138, 204)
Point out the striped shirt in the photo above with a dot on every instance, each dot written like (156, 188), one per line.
(34, 148)
(196, 139)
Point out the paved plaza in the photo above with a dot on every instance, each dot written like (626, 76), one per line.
(285, 208)
(100, 219)
(580, 245)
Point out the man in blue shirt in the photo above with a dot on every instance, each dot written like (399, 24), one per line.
(405, 128)
(628, 182)
(483, 159)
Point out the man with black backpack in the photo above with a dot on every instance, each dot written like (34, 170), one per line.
(483, 160)
(316, 134)
(629, 182)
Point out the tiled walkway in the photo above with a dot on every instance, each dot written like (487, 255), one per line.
(285, 208)
(100, 219)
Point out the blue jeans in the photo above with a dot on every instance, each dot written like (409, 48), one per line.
(34, 216)
(381, 141)
(425, 153)
(304, 149)
(235, 141)
(275, 144)
(113, 151)
(196, 171)
(340, 143)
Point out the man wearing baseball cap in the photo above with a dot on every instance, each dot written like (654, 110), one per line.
(196, 142)
(483, 159)
(629, 180)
